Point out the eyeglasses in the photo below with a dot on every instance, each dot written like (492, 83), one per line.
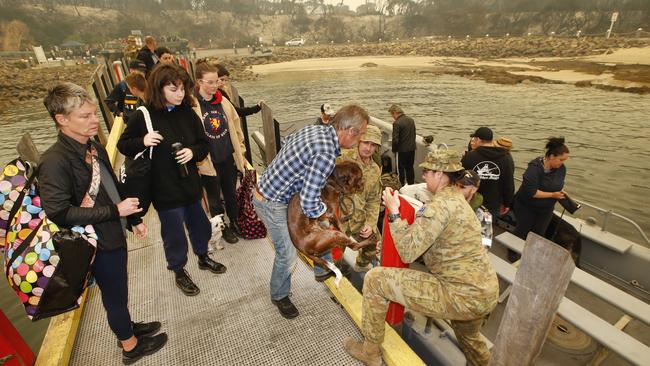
(209, 82)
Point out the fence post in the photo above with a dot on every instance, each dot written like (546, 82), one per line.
(539, 286)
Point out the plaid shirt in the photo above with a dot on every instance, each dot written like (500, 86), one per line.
(304, 163)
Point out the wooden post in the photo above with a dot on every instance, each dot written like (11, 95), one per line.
(269, 133)
(27, 150)
(539, 286)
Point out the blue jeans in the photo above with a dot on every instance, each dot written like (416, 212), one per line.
(274, 215)
(173, 233)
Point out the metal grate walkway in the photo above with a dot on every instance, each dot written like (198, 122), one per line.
(231, 322)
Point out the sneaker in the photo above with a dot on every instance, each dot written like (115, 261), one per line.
(185, 283)
(286, 307)
(229, 236)
(142, 329)
(205, 262)
(146, 346)
(236, 229)
(323, 277)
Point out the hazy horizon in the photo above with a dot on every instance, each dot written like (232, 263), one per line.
(353, 4)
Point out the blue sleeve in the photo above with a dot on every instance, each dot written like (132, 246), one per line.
(531, 182)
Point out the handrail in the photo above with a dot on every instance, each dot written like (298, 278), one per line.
(607, 214)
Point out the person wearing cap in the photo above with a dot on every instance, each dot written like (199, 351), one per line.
(326, 114)
(121, 92)
(460, 284)
(495, 167)
(403, 144)
(363, 222)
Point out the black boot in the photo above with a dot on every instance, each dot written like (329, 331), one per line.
(185, 283)
(142, 329)
(205, 262)
(234, 226)
(286, 307)
(229, 235)
(146, 346)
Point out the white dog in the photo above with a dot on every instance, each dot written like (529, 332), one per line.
(217, 225)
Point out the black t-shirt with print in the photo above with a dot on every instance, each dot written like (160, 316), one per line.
(215, 125)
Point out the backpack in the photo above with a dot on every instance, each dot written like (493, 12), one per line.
(48, 267)
(250, 224)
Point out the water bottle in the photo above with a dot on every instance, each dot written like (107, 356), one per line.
(182, 168)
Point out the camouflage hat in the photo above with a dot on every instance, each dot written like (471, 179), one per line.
(442, 161)
(373, 134)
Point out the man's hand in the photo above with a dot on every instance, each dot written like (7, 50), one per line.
(140, 230)
(365, 232)
(390, 198)
(152, 139)
(184, 156)
(129, 206)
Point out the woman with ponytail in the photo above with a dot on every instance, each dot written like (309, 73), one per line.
(541, 188)
(222, 128)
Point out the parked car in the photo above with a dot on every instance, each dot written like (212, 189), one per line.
(295, 42)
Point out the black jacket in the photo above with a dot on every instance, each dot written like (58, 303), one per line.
(536, 179)
(242, 111)
(64, 178)
(147, 56)
(495, 167)
(404, 134)
(168, 189)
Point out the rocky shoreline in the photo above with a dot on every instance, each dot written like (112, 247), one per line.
(18, 84)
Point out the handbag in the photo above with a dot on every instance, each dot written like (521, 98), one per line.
(249, 223)
(135, 177)
(569, 204)
(47, 266)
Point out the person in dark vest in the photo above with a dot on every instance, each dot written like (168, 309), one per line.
(147, 55)
(65, 175)
(403, 144)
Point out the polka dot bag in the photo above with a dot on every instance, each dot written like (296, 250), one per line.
(47, 267)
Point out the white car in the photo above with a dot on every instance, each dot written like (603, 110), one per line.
(295, 42)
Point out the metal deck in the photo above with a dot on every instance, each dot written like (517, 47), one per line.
(231, 322)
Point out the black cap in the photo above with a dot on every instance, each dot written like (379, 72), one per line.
(483, 133)
(137, 65)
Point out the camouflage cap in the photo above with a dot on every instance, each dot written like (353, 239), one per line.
(442, 161)
(373, 134)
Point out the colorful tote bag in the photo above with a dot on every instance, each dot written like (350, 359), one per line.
(48, 267)
(250, 224)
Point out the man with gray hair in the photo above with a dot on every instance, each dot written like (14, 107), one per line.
(304, 163)
(78, 187)
(403, 144)
(147, 55)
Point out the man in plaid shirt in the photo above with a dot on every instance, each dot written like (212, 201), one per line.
(304, 163)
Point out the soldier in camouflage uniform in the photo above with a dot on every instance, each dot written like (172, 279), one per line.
(363, 222)
(461, 284)
(131, 49)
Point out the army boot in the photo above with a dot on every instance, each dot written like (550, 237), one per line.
(367, 352)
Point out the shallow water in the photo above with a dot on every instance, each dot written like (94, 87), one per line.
(607, 132)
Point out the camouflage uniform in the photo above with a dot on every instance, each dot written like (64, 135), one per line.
(461, 284)
(366, 204)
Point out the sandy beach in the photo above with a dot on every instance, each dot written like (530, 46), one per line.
(624, 69)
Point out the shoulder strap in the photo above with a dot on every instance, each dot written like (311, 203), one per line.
(147, 121)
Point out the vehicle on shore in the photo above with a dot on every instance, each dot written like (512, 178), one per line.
(295, 42)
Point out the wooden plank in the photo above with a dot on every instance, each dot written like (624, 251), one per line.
(605, 291)
(269, 133)
(60, 337)
(113, 138)
(603, 352)
(27, 150)
(606, 334)
(533, 302)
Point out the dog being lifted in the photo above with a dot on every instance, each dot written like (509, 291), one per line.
(313, 240)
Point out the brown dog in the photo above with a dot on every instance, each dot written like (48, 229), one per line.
(308, 236)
